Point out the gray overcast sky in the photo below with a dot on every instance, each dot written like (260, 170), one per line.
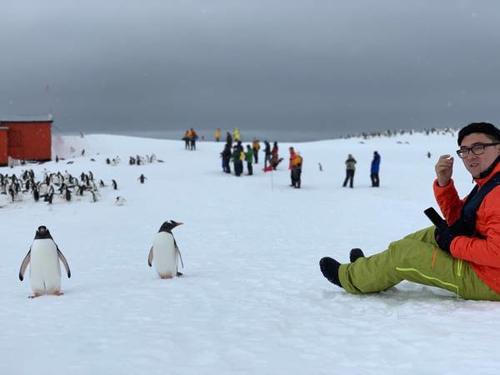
(316, 65)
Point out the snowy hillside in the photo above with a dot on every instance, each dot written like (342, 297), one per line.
(252, 299)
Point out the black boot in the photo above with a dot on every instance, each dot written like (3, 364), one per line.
(355, 254)
(330, 269)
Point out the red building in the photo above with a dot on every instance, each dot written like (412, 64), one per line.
(25, 140)
(4, 156)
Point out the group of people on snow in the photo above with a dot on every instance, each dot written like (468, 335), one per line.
(190, 138)
(350, 169)
(271, 156)
(239, 155)
(246, 156)
(249, 155)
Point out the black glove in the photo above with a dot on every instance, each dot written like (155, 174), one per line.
(444, 235)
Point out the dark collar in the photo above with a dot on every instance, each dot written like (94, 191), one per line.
(490, 169)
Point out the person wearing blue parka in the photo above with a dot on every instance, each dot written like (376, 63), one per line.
(375, 167)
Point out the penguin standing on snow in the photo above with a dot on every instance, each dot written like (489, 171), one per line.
(165, 253)
(45, 271)
(36, 193)
(67, 194)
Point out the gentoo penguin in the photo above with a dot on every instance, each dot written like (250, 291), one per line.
(45, 271)
(36, 194)
(164, 252)
(67, 194)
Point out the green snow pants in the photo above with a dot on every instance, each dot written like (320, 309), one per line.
(415, 258)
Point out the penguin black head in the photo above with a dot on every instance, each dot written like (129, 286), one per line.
(42, 232)
(167, 226)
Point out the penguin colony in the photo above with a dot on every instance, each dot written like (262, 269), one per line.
(44, 256)
(61, 185)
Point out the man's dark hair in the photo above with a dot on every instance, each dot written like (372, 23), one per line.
(479, 127)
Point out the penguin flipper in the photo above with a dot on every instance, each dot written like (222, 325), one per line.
(24, 265)
(178, 252)
(150, 257)
(64, 262)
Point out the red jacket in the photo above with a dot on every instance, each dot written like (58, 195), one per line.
(483, 253)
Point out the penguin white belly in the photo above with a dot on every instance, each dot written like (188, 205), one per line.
(165, 255)
(45, 271)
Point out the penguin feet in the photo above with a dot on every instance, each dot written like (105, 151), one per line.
(330, 269)
(36, 295)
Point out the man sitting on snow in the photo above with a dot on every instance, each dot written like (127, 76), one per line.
(462, 256)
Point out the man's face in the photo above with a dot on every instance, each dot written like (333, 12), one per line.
(476, 164)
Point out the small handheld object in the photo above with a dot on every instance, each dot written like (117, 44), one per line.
(436, 219)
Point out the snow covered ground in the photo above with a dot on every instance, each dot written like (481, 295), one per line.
(252, 300)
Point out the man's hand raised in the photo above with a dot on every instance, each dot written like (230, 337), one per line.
(444, 169)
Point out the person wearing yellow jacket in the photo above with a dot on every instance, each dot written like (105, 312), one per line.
(236, 135)
(217, 134)
(296, 169)
(256, 148)
(193, 137)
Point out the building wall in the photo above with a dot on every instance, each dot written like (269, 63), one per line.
(29, 140)
(4, 148)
